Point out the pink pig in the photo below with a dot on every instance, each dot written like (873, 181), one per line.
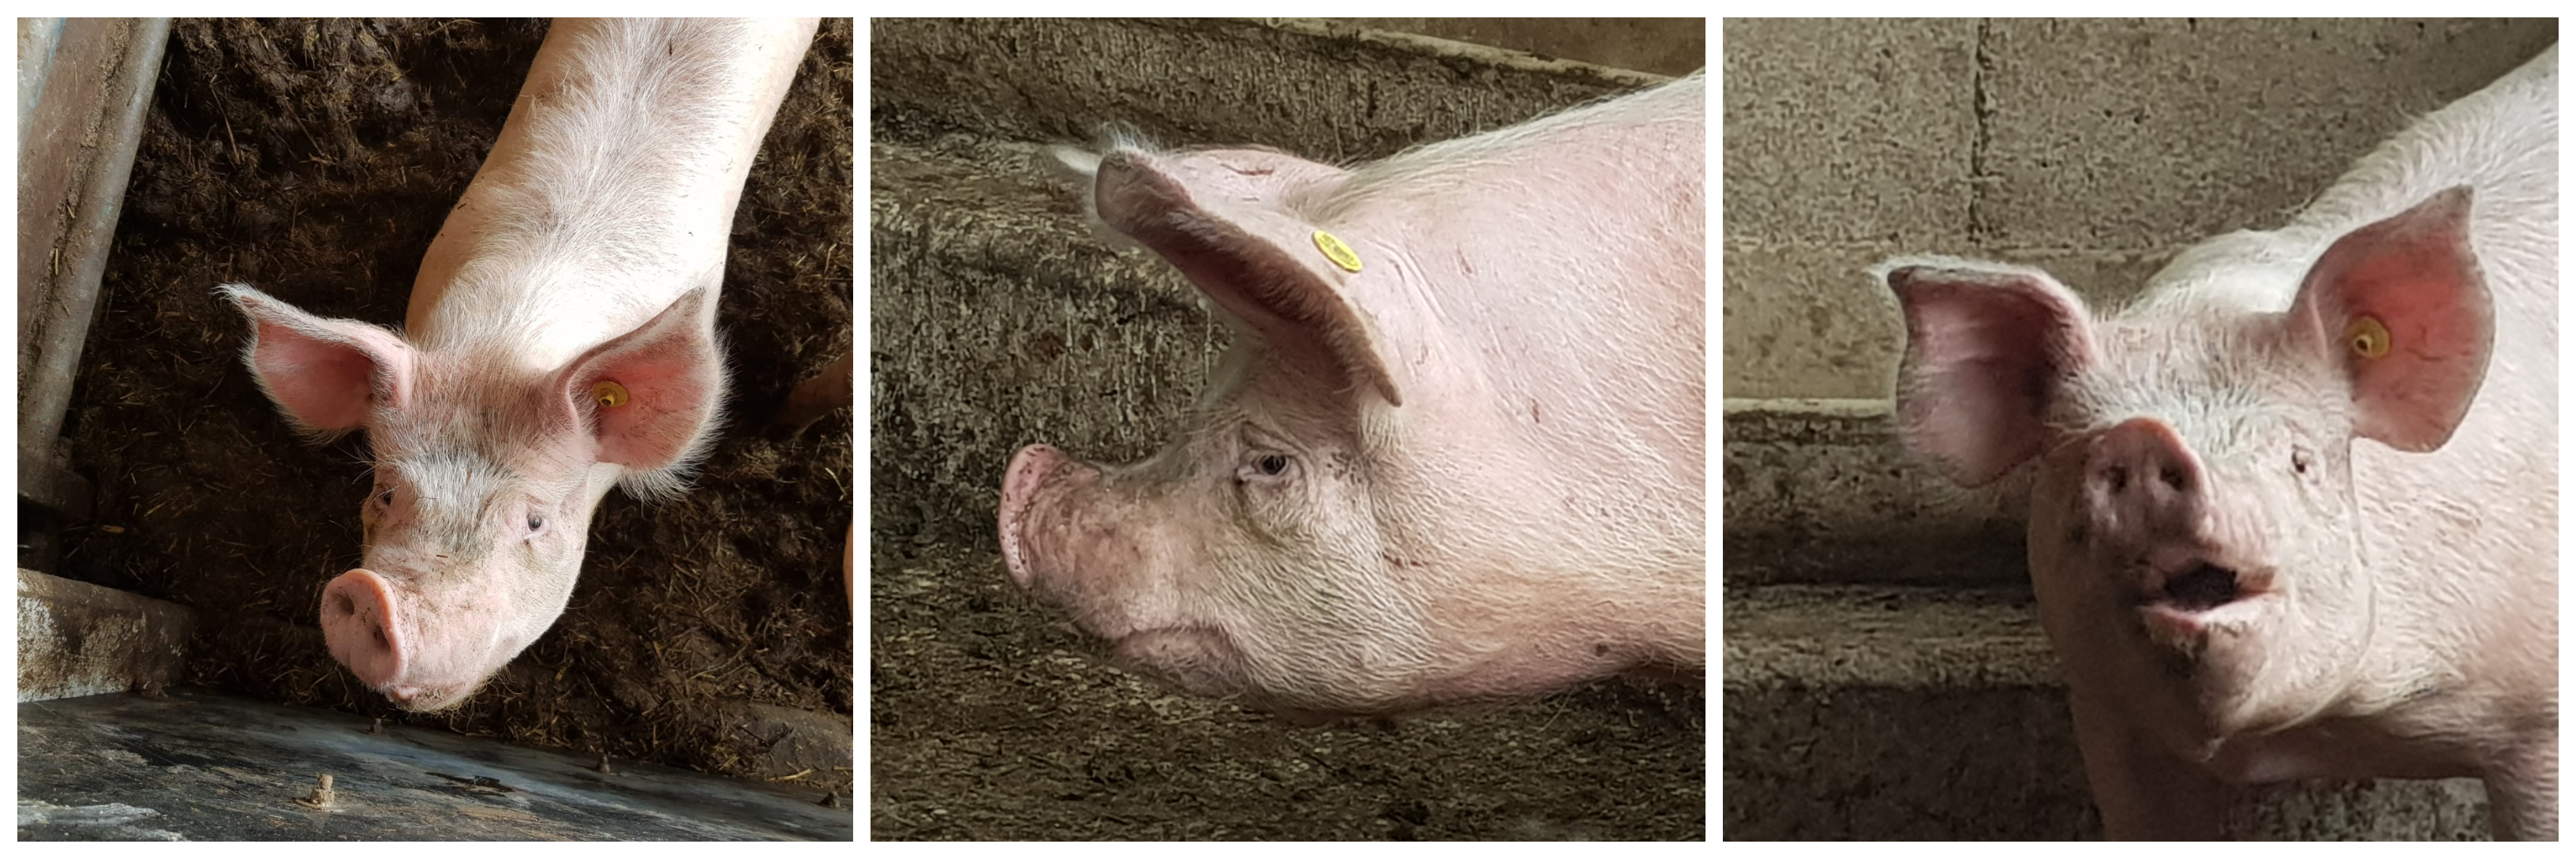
(560, 341)
(1455, 451)
(2296, 511)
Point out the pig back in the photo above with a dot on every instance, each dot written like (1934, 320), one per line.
(612, 187)
(1560, 266)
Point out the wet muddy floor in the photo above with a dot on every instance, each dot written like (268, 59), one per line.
(315, 160)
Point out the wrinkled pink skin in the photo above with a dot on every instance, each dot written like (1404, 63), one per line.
(2260, 552)
(1471, 470)
(588, 249)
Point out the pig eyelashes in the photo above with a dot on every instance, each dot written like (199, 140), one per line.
(1266, 466)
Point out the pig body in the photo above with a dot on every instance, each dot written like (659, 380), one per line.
(559, 341)
(2295, 513)
(1455, 450)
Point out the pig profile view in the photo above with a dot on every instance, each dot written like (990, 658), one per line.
(560, 340)
(2296, 506)
(1455, 450)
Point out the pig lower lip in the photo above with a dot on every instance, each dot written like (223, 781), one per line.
(2178, 626)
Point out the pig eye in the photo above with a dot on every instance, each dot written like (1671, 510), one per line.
(1269, 465)
(536, 523)
(2300, 459)
(385, 497)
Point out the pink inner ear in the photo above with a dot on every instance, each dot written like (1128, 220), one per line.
(2415, 273)
(1984, 351)
(672, 380)
(326, 374)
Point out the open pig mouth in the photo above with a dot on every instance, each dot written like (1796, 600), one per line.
(2202, 596)
(2201, 587)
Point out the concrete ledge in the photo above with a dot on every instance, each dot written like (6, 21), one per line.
(1320, 89)
(1893, 638)
(76, 638)
(1936, 713)
(1821, 491)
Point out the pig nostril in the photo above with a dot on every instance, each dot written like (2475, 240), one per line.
(2204, 586)
(2117, 476)
(2173, 478)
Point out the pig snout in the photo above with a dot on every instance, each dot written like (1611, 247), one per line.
(2150, 500)
(358, 617)
(1030, 469)
(2141, 483)
(362, 624)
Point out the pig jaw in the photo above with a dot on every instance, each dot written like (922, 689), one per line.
(2224, 600)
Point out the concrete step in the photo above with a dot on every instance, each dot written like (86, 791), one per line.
(1876, 712)
(1820, 492)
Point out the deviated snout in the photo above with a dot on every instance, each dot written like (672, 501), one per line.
(358, 622)
(1029, 469)
(362, 623)
(2150, 497)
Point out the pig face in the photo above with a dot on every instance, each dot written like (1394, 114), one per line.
(1245, 560)
(486, 475)
(2193, 538)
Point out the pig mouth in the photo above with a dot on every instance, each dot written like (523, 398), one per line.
(2200, 596)
(2201, 587)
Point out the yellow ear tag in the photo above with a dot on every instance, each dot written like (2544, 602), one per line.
(608, 394)
(1340, 254)
(2368, 337)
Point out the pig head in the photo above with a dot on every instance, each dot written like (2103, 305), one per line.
(1454, 452)
(487, 471)
(2237, 529)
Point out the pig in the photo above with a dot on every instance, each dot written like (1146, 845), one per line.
(1454, 450)
(560, 340)
(2294, 510)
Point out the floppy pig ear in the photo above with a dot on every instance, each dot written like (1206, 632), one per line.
(326, 375)
(2401, 306)
(650, 395)
(1220, 219)
(1985, 348)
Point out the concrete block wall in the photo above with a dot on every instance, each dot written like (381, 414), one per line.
(2093, 148)
(1882, 675)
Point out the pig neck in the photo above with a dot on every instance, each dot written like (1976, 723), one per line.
(611, 190)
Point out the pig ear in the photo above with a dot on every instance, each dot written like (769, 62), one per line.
(1219, 217)
(650, 396)
(325, 374)
(1986, 347)
(2401, 306)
